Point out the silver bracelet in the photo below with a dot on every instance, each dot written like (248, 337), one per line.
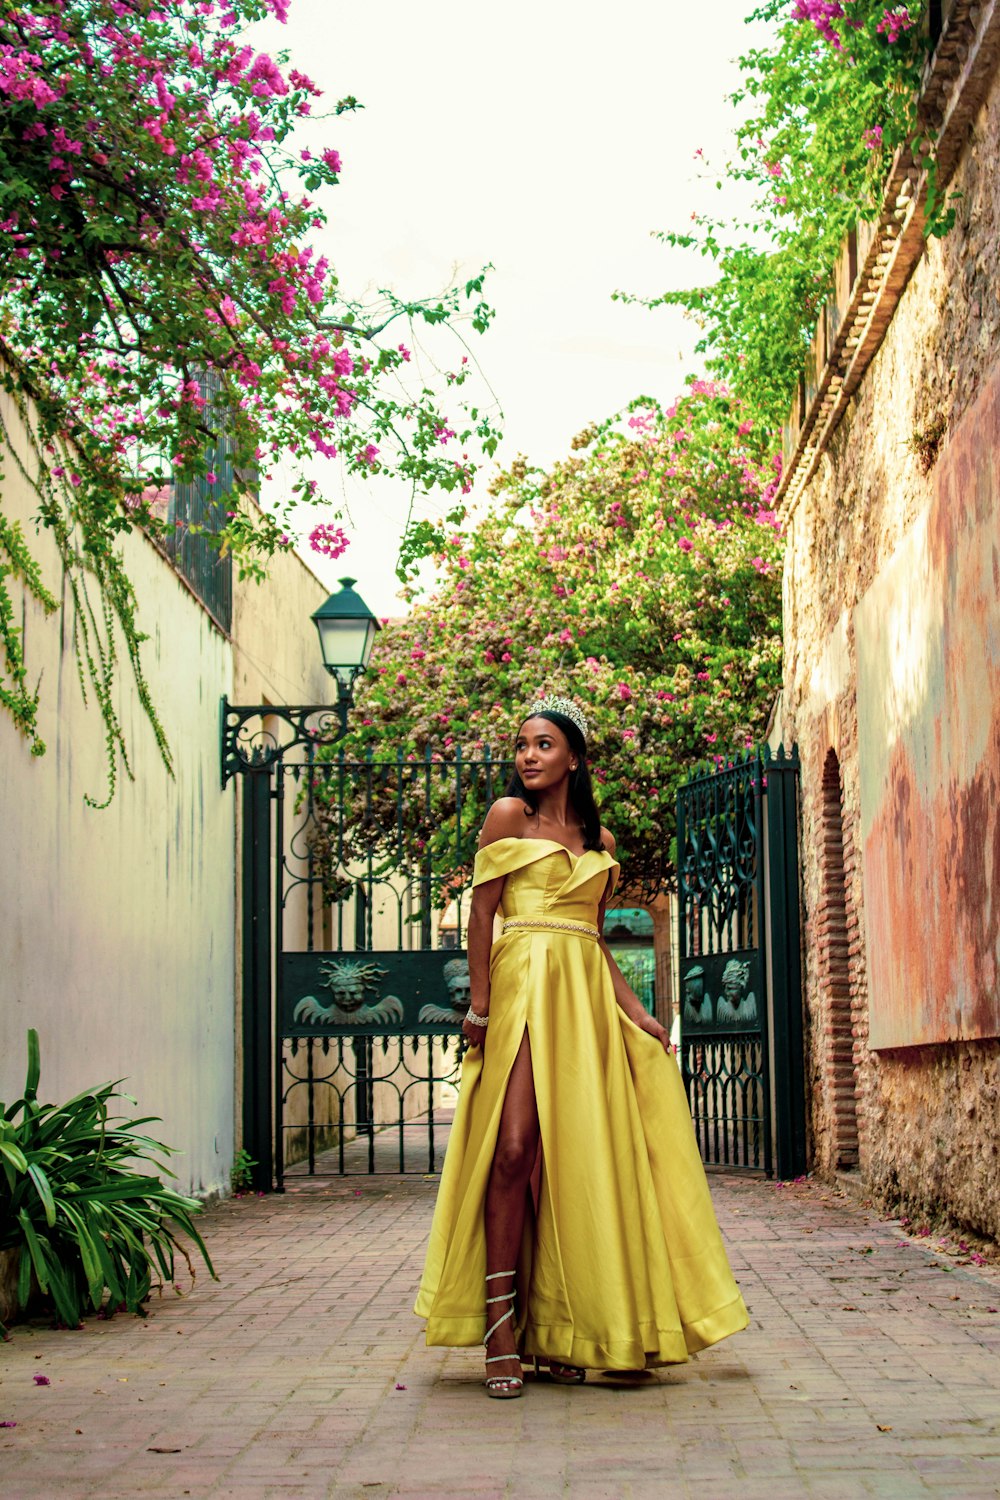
(475, 1019)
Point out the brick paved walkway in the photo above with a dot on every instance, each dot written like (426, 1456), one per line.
(871, 1368)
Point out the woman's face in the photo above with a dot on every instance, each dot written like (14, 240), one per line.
(542, 754)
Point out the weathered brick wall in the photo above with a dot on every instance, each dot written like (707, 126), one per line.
(928, 1118)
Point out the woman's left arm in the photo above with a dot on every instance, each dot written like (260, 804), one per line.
(626, 997)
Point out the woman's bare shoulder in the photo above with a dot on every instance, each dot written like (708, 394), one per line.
(504, 820)
(608, 840)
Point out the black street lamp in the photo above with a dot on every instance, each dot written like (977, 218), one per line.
(346, 635)
(346, 629)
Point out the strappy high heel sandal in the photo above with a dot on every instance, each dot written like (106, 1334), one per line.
(559, 1373)
(501, 1387)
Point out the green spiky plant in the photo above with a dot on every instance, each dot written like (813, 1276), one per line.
(77, 1210)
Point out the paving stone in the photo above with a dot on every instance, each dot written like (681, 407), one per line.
(869, 1370)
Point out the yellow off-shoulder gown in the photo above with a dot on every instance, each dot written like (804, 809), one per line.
(622, 1265)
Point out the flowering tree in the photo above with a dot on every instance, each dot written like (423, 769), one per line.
(829, 102)
(640, 577)
(156, 206)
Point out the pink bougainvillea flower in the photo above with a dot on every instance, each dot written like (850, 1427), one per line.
(169, 98)
(822, 14)
(543, 567)
(328, 540)
(894, 23)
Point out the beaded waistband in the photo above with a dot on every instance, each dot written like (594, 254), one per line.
(550, 924)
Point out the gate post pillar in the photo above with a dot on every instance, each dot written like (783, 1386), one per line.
(257, 1080)
(784, 943)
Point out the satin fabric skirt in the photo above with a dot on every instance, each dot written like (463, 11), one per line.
(622, 1264)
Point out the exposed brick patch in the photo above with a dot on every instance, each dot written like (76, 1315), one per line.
(830, 934)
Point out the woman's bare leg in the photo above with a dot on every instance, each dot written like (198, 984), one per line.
(506, 1199)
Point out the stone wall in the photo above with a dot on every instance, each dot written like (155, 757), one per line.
(920, 435)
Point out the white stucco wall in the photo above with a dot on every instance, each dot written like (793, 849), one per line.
(117, 928)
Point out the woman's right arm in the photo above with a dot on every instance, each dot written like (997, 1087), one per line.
(505, 819)
(485, 900)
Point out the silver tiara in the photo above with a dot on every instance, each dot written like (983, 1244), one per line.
(564, 706)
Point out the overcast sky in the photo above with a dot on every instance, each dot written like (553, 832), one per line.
(549, 139)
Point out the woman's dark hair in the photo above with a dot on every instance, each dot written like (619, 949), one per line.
(581, 793)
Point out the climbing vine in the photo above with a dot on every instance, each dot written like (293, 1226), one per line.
(823, 109)
(156, 209)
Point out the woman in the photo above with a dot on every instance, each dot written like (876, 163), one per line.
(574, 1222)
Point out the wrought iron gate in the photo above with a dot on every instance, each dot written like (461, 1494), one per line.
(354, 877)
(354, 992)
(739, 963)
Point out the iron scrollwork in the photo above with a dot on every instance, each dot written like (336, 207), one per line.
(720, 868)
(256, 735)
(725, 1080)
(363, 1126)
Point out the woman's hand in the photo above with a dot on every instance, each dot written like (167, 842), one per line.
(474, 1035)
(651, 1025)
